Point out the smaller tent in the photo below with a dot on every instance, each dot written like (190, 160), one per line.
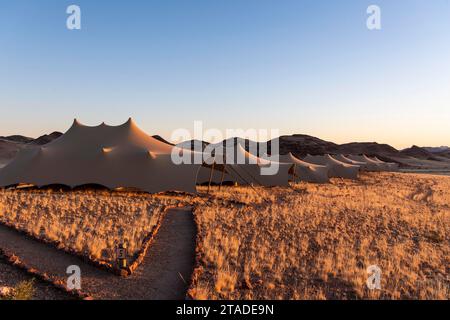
(371, 165)
(305, 171)
(364, 165)
(336, 169)
(241, 167)
(390, 165)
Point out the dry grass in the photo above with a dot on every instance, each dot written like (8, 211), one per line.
(316, 242)
(310, 242)
(90, 222)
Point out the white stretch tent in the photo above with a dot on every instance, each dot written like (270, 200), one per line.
(375, 165)
(370, 165)
(391, 166)
(242, 168)
(219, 175)
(336, 169)
(305, 171)
(111, 156)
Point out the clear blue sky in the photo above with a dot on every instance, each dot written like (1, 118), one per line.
(301, 66)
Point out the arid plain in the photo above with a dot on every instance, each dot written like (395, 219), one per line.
(308, 241)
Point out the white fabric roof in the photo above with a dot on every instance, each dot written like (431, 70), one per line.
(112, 156)
(305, 171)
(336, 168)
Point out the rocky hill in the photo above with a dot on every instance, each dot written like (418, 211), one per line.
(419, 153)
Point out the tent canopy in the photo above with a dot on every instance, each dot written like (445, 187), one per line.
(243, 168)
(337, 169)
(305, 171)
(112, 156)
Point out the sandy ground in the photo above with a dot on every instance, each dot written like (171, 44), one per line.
(411, 163)
(162, 275)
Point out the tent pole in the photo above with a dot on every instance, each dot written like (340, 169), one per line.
(293, 172)
(223, 175)
(210, 176)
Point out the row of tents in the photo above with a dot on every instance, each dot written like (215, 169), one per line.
(125, 156)
(315, 169)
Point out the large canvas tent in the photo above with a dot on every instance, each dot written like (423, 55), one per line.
(305, 171)
(111, 156)
(237, 165)
(336, 169)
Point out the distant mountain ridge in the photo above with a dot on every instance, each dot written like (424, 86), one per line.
(298, 144)
(437, 149)
(11, 145)
(46, 138)
(302, 145)
(418, 152)
(17, 138)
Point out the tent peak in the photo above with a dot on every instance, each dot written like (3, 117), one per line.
(130, 123)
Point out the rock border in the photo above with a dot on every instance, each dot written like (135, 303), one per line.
(199, 257)
(15, 261)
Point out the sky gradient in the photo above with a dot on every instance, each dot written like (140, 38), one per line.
(301, 66)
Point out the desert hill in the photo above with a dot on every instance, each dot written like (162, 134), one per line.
(437, 149)
(46, 138)
(8, 149)
(299, 144)
(17, 138)
(418, 152)
(11, 145)
(439, 152)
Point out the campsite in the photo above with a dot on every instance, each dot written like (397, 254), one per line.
(227, 231)
(224, 158)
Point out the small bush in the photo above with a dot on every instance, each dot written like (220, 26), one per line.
(24, 291)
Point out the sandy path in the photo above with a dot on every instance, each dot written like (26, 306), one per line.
(158, 277)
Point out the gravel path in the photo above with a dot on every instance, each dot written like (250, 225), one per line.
(169, 260)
